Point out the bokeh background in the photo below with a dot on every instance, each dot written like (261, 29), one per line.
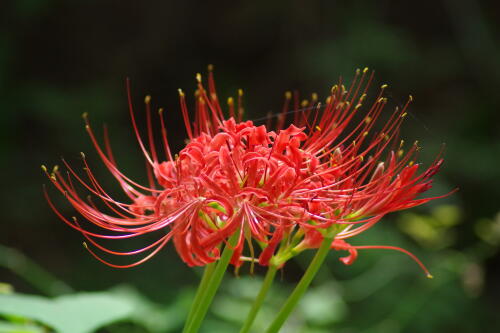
(61, 58)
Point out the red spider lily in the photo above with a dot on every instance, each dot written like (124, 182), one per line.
(331, 167)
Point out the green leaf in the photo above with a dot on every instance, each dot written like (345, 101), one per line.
(322, 305)
(77, 313)
(156, 317)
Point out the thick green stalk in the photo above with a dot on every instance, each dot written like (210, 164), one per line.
(268, 281)
(205, 279)
(212, 286)
(302, 286)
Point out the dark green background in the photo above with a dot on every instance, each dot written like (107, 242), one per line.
(59, 59)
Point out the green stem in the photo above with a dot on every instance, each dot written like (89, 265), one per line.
(33, 273)
(268, 281)
(302, 286)
(207, 274)
(212, 286)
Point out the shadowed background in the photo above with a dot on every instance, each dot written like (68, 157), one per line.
(59, 59)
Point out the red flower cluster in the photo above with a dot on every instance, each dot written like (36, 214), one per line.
(331, 169)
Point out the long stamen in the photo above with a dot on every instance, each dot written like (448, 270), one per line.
(147, 102)
(134, 124)
(185, 115)
(411, 255)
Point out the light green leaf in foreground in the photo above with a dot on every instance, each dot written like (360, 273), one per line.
(76, 313)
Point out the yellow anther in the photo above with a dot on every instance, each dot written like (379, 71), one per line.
(230, 101)
(401, 143)
(240, 92)
(362, 98)
(85, 245)
(55, 168)
(365, 133)
(410, 98)
(410, 163)
(288, 94)
(53, 177)
(314, 97)
(353, 142)
(358, 71)
(400, 152)
(383, 86)
(82, 154)
(358, 106)
(365, 70)
(160, 110)
(181, 93)
(85, 115)
(334, 89)
(304, 103)
(386, 137)
(404, 115)
(368, 119)
(328, 99)
(210, 67)
(147, 99)
(380, 100)
(198, 77)
(318, 128)
(44, 168)
(213, 96)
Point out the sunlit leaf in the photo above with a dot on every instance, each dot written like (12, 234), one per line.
(77, 313)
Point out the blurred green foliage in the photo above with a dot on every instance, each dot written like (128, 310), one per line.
(382, 292)
(60, 58)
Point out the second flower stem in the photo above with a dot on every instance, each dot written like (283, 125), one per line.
(268, 281)
(207, 274)
(302, 286)
(213, 285)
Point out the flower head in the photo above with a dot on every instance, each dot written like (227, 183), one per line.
(334, 169)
